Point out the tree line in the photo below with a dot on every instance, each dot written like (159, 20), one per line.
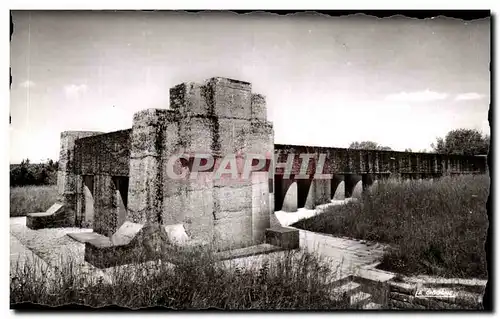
(457, 142)
(27, 173)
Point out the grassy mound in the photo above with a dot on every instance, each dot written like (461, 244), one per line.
(436, 228)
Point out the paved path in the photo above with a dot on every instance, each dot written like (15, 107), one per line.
(21, 256)
(348, 254)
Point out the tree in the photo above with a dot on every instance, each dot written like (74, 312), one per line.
(462, 142)
(368, 145)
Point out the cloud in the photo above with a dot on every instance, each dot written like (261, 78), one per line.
(419, 96)
(27, 84)
(74, 91)
(468, 96)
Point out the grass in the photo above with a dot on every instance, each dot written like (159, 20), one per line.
(295, 280)
(31, 199)
(435, 228)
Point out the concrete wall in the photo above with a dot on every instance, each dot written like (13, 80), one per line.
(352, 171)
(68, 179)
(345, 161)
(101, 160)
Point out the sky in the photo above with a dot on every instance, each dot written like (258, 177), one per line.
(329, 81)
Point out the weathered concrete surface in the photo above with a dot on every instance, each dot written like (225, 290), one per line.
(261, 206)
(344, 161)
(284, 237)
(56, 216)
(20, 256)
(339, 191)
(290, 200)
(349, 254)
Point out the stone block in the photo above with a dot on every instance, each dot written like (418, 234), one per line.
(231, 233)
(259, 108)
(311, 196)
(232, 198)
(339, 191)
(261, 138)
(199, 205)
(189, 98)
(322, 191)
(148, 243)
(260, 205)
(176, 234)
(259, 226)
(194, 209)
(126, 233)
(56, 216)
(67, 148)
(230, 98)
(171, 138)
(234, 135)
(290, 200)
(103, 154)
(200, 134)
(285, 237)
(145, 187)
(105, 208)
(145, 141)
(66, 182)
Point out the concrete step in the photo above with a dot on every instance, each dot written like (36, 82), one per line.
(346, 290)
(360, 299)
(248, 251)
(341, 280)
(372, 306)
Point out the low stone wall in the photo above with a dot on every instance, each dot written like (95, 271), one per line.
(393, 291)
(403, 295)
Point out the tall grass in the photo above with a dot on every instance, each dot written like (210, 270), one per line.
(31, 199)
(295, 280)
(435, 228)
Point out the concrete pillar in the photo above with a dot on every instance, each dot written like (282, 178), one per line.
(322, 191)
(146, 170)
(351, 181)
(338, 187)
(68, 180)
(290, 198)
(240, 126)
(105, 221)
(260, 206)
(281, 189)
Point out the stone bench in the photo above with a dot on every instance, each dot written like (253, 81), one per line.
(55, 216)
(133, 243)
(284, 237)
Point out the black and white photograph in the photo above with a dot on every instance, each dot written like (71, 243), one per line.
(258, 160)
